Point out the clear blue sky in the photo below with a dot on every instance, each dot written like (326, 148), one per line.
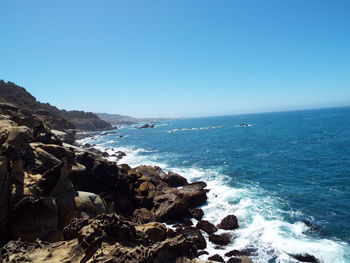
(180, 57)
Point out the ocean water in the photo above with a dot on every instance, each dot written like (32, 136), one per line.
(286, 176)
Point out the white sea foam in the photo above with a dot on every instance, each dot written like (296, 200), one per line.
(262, 225)
(195, 129)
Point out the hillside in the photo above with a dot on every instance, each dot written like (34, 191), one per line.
(54, 117)
(115, 119)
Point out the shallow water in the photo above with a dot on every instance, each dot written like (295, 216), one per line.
(286, 176)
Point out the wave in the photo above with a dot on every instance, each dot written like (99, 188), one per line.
(195, 129)
(263, 227)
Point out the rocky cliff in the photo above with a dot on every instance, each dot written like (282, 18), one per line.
(54, 118)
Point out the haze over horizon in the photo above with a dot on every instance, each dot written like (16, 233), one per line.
(178, 58)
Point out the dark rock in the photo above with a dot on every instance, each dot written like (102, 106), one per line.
(187, 222)
(237, 253)
(230, 222)
(197, 213)
(194, 194)
(175, 180)
(206, 226)
(124, 207)
(221, 240)
(155, 231)
(194, 235)
(169, 207)
(202, 252)
(105, 154)
(142, 215)
(107, 133)
(146, 126)
(234, 260)
(306, 258)
(217, 258)
(109, 238)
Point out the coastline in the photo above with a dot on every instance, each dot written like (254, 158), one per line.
(62, 202)
(79, 190)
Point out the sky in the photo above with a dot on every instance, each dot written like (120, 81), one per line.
(178, 58)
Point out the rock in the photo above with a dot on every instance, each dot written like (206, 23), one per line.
(202, 252)
(32, 219)
(39, 251)
(187, 222)
(234, 260)
(150, 174)
(124, 207)
(155, 231)
(194, 235)
(4, 194)
(169, 207)
(105, 154)
(191, 260)
(197, 213)
(237, 253)
(245, 259)
(108, 237)
(221, 240)
(175, 180)
(206, 226)
(145, 188)
(146, 126)
(230, 222)
(18, 136)
(90, 205)
(217, 258)
(119, 154)
(67, 136)
(142, 215)
(194, 194)
(305, 258)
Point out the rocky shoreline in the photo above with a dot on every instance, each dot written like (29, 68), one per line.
(60, 202)
(64, 202)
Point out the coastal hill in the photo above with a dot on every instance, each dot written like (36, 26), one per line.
(52, 116)
(116, 119)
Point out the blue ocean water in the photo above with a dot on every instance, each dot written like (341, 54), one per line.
(286, 176)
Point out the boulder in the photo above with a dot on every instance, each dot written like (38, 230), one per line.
(109, 238)
(230, 222)
(194, 235)
(221, 240)
(145, 188)
(18, 136)
(237, 253)
(146, 126)
(175, 180)
(234, 260)
(192, 194)
(155, 231)
(197, 213)
(216, 258)
(306, 258)
(206, 226)
(169, 207)
(150, 174)
(142, 215)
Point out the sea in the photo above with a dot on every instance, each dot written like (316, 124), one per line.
(285, 175)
